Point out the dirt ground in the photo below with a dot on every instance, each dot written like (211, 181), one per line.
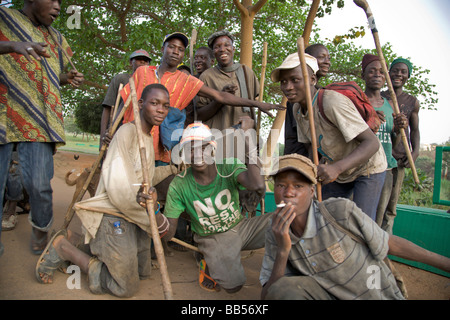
(17, 265)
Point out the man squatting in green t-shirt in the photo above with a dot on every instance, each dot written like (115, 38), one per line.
(209, 193)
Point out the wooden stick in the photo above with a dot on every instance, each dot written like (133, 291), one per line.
(261, 85)
(114, 111)
(184, 244)
(301, 55)
(309, 21)
(191, 49)
(70, 212)
(365, 6)
(281, 114)
(167, 286)
(191, 60)
(64, 51)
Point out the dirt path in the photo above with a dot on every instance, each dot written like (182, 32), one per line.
(17, 265)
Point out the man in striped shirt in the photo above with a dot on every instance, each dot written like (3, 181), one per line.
(307, 257)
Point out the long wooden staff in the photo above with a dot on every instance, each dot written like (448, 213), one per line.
(281, 114)
(365, 6)
(114, 111)
(301, 55)
(191, 49)
(167, 286)
(70, 211)
(191, 60)
(261, 84)
(64, 51)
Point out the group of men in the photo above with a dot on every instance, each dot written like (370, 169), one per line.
(313, 250)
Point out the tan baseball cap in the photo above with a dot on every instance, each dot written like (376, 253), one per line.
(298, 163)
(293, 61)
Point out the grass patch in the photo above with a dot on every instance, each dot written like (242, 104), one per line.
(81, 143)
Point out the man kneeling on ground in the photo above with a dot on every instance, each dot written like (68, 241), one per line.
(310, 254)
(117, 228)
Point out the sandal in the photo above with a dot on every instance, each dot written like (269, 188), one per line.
(203, 275)
(49, 261)
(37, 245)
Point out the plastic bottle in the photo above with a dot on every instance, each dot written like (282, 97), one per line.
(117, 228)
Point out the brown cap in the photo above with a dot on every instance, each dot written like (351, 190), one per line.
(298, 163)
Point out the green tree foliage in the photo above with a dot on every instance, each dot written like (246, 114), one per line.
(88, 114)
(110, 30)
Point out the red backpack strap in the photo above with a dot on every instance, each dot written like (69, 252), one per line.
(320, 104)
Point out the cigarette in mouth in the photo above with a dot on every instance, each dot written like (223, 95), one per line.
(281, 205)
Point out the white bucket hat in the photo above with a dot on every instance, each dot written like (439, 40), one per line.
(197, 131)
(293, 61)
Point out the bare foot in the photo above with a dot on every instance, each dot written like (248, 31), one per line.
(51, 259)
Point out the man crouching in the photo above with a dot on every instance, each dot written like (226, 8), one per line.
(322, 251)
(209, 193)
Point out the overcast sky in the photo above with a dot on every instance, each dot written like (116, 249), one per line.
(416, 28)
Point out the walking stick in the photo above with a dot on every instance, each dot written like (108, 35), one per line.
(301, 55)
(70, 211)
(191, 49)
(191, 59)
(261, 84)
(114, 112)
(167, 286)
(365, 6)
(281, 114)
(64, 51)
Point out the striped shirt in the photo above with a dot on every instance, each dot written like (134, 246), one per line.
(345, 268)
(30, 99)
(182, 89)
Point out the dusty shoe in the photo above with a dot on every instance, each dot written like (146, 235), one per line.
(9, 223)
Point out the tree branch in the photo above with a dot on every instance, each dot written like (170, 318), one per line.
(95, 85)
(240, 7)
(154, 17)
(102, 39)
(255, 9)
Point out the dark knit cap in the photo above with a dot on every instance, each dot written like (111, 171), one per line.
(368, 59)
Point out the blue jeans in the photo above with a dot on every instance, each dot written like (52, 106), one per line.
(366, 191)
(14, 187)
(36, 167)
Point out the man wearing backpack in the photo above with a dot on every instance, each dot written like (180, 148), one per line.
(354, 161)
(291, 144)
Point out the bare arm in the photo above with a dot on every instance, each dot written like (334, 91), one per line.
(407, 250)
(232, 100)
(369, 144)
(142, 197)
(252, 178)
(414, 132)
(207, 112)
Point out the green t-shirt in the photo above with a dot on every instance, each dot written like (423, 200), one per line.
(386, 133)
(213, 208)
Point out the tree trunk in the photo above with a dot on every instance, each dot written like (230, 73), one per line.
(248, 12)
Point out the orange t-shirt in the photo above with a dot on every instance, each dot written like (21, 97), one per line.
(182, 89)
